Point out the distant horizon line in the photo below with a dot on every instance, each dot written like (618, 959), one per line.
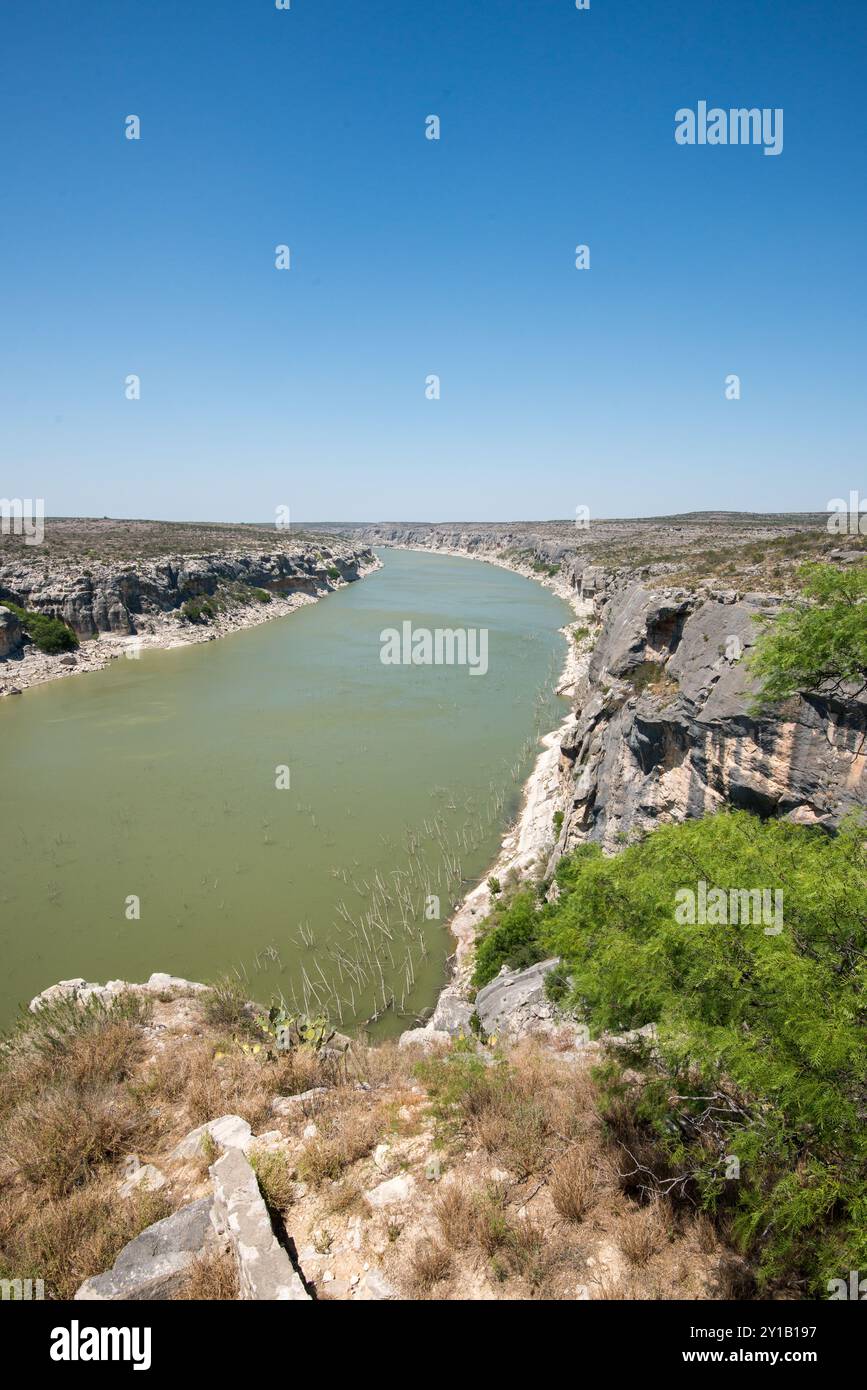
(705, 514)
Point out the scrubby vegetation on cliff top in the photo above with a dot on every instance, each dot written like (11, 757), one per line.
(112, 539)
(818, 641)
(761, 1051)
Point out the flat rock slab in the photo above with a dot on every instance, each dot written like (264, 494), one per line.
(296, 1105)
(265, 1271)
(145, 1178)
(515, 1000)
(228, 1132)
(153, 1265)
(374, 1287)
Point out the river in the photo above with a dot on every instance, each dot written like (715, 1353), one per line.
(279, 804)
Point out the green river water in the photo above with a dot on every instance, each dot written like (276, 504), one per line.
(156, 778)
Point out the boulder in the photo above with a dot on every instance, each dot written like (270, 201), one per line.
(514, 1004)
(391, 1192)
(426, 1038)
(154, 1265)
(452, 1015)
(228, 1132)
(302, 1104)
(374, 1287)
(83, 990)
(144, 1178)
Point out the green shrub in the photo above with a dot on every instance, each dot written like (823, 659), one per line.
(333, 572)
(49, 635)
(761, 1053)
(511, 939)
(199, 610)
(261, 595)
(820, 639)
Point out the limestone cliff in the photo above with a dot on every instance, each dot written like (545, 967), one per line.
(10, 633)
(113, 596)
(666, 729)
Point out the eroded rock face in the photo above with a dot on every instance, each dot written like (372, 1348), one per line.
(10, 633)
(666, 729)
(452, 1015)
(110, 597)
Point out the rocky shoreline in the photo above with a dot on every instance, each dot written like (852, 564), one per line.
(664, 726)
(528, 843)
(150, 617)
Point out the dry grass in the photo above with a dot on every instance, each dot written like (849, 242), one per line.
(222, 1079)
(521, 1112)
(734, 1281)
(274, 1175)
(430, 1264)
(455, 1212)
(212, 1277)
(113, 539)
(385, 1064)
(105, 1051)
(227, 1007)
(644, 1233)
(57, 1140)
(351, 1135)
(512, 1244)
(704, 1233)
(65, 1107)
(529, 1252)
(573, 1182)
(75, 1100)
(65, 1240)
(346, 1197)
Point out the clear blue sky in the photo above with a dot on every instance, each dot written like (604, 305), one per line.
(410, 257)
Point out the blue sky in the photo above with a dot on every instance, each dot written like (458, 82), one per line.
(306, 388)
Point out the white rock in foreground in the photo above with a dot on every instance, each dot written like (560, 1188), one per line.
(145, 1178)
(426, 1038)
(294, 1105)
(228, 1132)
(394, 1190)
(239, 1214)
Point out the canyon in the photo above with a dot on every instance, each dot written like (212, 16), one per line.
(666, 725)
